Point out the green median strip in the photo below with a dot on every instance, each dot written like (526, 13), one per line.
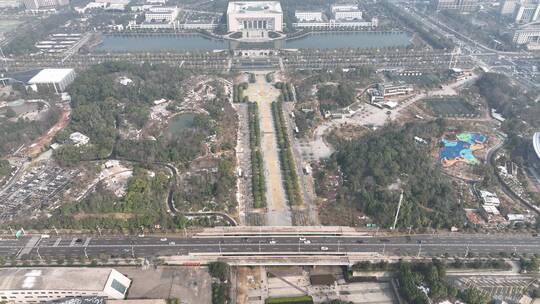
(258, 186)
(288, 169)
(290, 300)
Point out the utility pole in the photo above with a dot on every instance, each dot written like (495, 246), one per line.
(99, 230)
(467, 251)
(55, 230)
(419, 249)
(132, 250)
(383, 248)
(85, 253)
(398, 208)
(219, 244)
(259, 246)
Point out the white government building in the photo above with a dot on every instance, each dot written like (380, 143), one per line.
(254, 18)
(39, 285)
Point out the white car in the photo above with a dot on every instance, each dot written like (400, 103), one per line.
(172, 243)
(272, 242)
(307, 242)
(163, 239)
(323, 248)
(302, 239)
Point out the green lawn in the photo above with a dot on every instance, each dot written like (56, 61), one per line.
(450, 107)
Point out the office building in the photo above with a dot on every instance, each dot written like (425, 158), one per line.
(254, 19)
(394, 89)
(489, 198)
(526, 12)
(527, 35)
(40, 285)
(343, 7)
(346, 12)
(508, 7)
(44, 4)
(456, 5)
(309, 16)
(161, 14)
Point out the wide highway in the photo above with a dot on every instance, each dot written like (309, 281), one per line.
(147, 246)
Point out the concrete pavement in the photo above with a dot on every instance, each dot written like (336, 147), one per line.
(279, 245)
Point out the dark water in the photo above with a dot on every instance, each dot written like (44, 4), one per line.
(181, 122)
(326, 40)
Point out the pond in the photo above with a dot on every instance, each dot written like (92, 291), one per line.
(195, 42)
(180, 122)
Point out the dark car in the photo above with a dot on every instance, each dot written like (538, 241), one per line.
(360, 241)
(384, 240)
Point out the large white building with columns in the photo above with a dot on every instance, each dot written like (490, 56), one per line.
(254, 18)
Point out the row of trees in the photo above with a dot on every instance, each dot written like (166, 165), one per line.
(238, 92)
(220, 287)
(286, 90)
(429, 36)
(290, 178)
(258, 186)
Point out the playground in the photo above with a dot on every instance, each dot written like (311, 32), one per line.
(461, 148)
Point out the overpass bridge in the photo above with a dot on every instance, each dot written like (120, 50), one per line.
(271, 245)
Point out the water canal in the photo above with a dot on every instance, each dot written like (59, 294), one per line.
(196, 42)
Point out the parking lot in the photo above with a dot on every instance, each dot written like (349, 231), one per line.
(38, 187)
(509, 289)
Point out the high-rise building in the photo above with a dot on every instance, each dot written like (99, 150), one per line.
(44, 4)
(456, 5)
(526, 12)
(508, 7)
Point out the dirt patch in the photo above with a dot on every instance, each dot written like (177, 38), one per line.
(248, 278)
(117, 216)
(36, 147)
(190, 284)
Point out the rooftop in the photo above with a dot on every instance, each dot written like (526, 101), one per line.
(240, 7)
(54, 278)
(50, 75)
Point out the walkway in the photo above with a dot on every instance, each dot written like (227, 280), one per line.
(279, 213)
